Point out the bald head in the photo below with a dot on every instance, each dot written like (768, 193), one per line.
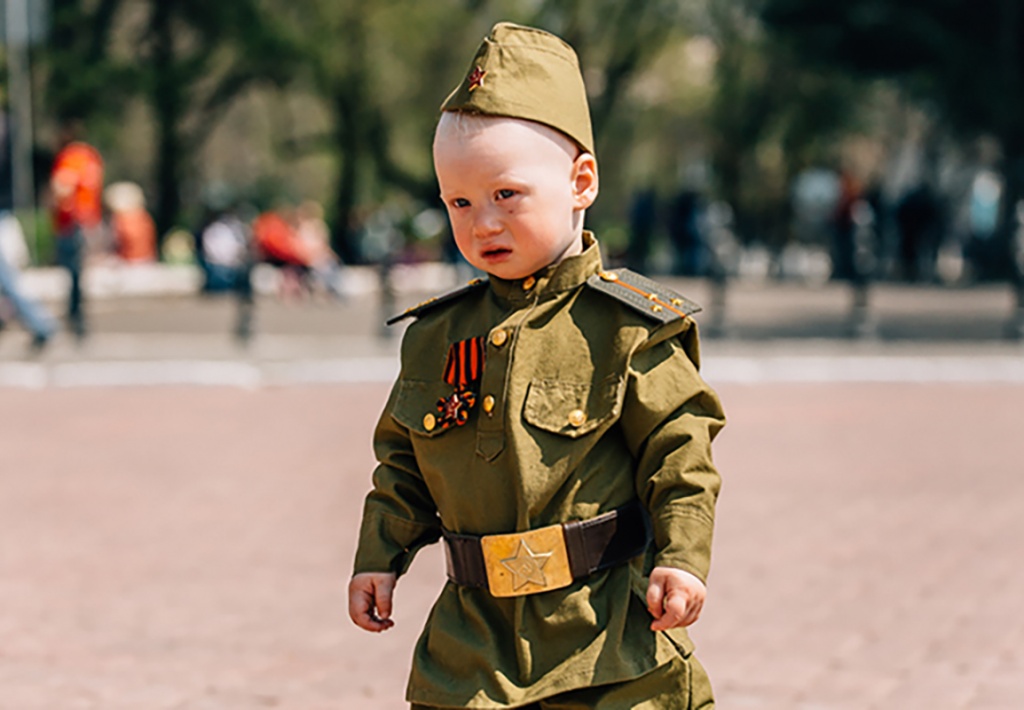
(455, 126)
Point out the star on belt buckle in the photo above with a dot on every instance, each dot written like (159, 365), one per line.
(526, 563)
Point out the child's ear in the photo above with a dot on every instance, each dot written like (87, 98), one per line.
(584, 181)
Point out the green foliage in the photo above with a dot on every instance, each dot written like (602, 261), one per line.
(964, 58)
(772, 116)
(187, 59)
(83, 78)
(384, 69)
(754, 108)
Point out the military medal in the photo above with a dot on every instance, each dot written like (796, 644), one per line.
(455, 408)
(462, 372)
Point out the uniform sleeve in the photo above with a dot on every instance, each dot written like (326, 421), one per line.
(399, 515)
(670, 416)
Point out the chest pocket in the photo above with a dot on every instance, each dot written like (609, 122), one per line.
(416, 406)
(573, 409)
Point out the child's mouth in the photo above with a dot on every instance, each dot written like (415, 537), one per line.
(496, 254)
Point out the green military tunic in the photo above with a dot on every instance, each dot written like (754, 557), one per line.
(555, 345)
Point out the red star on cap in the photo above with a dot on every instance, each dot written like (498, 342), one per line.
(476, 79)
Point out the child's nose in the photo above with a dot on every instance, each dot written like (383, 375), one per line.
(486, 223)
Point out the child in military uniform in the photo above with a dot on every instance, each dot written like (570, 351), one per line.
(549, 425)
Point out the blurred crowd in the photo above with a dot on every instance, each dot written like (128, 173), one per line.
(92, 222)
(838, 228)
(232, 237)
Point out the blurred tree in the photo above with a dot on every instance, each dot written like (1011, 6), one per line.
(83, 77)
(380, 70)
(964, 58)
(193, 59)
(383, 69)
(617, 43)
(188, 59)
(772, 116)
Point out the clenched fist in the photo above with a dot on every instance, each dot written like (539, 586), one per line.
(369, 600)
(674, 598)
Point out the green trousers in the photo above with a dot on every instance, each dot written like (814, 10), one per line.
(681, 684)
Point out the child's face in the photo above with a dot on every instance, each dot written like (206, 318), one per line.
(515, 192)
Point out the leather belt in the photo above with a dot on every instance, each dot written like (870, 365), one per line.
(543, 559)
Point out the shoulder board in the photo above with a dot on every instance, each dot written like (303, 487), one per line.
(437, 301)
(639, 292)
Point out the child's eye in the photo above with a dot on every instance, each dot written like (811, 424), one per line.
(460, 202)
(505, 194)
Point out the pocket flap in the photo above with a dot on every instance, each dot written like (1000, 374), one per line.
(572, 409)
(416, 406)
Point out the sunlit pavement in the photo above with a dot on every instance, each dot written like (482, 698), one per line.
(188, 547)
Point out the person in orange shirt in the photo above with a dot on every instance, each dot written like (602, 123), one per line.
(279, 245)
(133, 227)
(76, 186)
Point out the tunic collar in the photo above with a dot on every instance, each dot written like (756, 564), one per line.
(563, 276)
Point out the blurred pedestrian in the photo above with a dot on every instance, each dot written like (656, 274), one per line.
(12, 254)
(133, 227)
(225, 254)
(844, 266)
(279, 245)
(224, 251)
(315, 237)
(643, 220)
(76, 187)
(987, 259)
(918, 220)
(691, 258)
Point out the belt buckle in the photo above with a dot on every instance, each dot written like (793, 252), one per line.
(527, 562)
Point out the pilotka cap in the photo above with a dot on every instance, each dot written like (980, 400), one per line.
(522, 72)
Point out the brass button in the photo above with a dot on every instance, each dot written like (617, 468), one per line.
(656, 308)
(577, 417)
(529, 283)
(609, 276)
(677, 302)
(488, 404)
(429, 421)
(499, 337)
(652, 297)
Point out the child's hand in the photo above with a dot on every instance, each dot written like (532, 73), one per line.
(674, 598)
(369, 600)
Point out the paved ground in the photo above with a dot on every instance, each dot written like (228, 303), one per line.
(867, 548)
(188, 548)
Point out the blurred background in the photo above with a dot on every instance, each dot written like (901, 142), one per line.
(207, 210)
(760, 138)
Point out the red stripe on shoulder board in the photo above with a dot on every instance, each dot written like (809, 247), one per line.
(652, 297)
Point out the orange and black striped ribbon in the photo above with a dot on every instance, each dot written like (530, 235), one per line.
(465, 362)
